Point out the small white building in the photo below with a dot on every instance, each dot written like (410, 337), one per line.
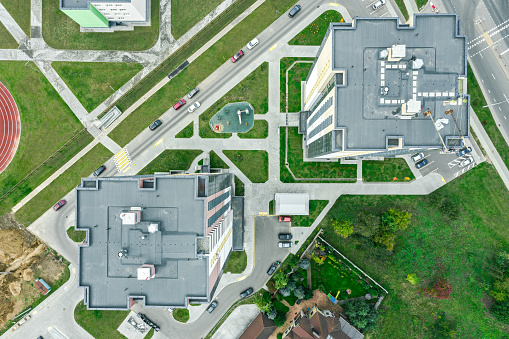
(291, 204)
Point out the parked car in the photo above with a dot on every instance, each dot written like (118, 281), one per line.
(285, 244)
(59, 204)
(193, 92)
(417, 157)
(252, 43)
(193, 107)
(285, 218)
(237, 56)
(273, 267)
(212, 307)
(466, 162)
(378, 4)
(179, 104)
(246, 292)
(464, 151)
(285, 236)
(421, 164)
(294, 11)
(99, 171)
(155, 124)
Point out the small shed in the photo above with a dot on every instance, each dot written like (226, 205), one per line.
(42, 286)
(291, 204)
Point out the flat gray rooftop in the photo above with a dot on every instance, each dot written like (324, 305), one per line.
(369, 115)
(179, 215)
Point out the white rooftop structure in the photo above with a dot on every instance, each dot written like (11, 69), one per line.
(291, 204)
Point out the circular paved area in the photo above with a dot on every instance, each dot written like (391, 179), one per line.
(10, 127)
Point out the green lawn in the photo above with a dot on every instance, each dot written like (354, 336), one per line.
(315, 32)
(391, 169)
(239, 187)
(303, 169)
(187, 132)
(296, 74)
(260, 130)
(20, 12)
(76, 236)
(254, 164)
(61, 32)
(171, 160)
(45, 129)
(92, 82)
(6, 39)
(181, 314)
(453, 233)
(253, 89)
(402, 8)
(237, 262)
(315, 207)
(421, 3)
(100, 324)
(334, 280)
(63, 184)
(477, 102)
(216, 161)
(183, 53)
(187, 13)
(199, 69)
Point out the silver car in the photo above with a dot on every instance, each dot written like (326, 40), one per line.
(285, 244)
(466, 162)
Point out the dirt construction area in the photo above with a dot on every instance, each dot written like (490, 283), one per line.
(23, 258)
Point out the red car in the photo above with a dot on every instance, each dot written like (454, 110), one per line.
(179, 104)
(237, 56)
(59, 204)
(285, 219)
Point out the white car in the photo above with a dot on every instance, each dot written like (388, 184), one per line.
(417, 157)
(378, 4)
(466, 162)
(252, 43)
(193, 107)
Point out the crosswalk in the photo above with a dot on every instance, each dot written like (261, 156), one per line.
(122, 160)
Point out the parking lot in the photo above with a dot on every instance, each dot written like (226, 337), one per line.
(266, 241)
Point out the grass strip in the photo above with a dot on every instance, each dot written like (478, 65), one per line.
(171, 160)
(187, 13)
(421, 3)
(76, 236)
(187, 132)
(315, 208)
(478, 102)
(199, 69)
(100, 324)
(391, 169)
(301, 169)
(20, 12)
(237, 262)
(216, 161)
(315, 32)
(297, 73)
(94, 82)
(239, 187)
(260, 130)
(402, 8)
(254, 164)
(61, 32)
(7, 41)
(63, 184)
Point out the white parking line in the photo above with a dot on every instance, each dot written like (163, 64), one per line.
(493, 76)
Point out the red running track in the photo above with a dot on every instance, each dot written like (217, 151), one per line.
(10, 127)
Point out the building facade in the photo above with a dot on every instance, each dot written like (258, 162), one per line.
(103, 13)
(161, 239)
(381, 88)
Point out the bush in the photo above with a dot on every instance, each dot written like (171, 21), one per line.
(500, 310)
(280, 319)
(291, 285)
(272, 314)
(304, 264)
(285, 292)
(442, 289)
(367, 224)
(308, 293)
(412, 278)
(293, 260)
(361, 314)
(299, 292)
(280, 280)
(342, 228)
(373, 292)
(279, 336)
(396, 220)
(443, 327)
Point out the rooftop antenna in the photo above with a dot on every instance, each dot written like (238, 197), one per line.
(428, 113)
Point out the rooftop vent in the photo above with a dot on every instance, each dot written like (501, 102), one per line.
(146, 272)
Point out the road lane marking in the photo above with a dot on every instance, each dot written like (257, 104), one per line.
(241, 278)
(158, 142)
(488, 39)
(270, 49)
(493, 76)
(122, 160)
(504, 52)
(333, 4)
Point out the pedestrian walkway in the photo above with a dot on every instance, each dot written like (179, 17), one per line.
(11, 25)
(122, 161)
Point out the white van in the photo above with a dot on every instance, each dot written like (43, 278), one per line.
(378, 4)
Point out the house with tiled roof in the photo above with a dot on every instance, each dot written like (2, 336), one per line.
(260, 328)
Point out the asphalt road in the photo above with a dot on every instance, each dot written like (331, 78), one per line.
(490, 63)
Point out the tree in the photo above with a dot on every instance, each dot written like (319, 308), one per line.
(395, 220)
(308, 293)
(361, 314)
(291, 285)
(293, 260)
(304, 264)
(280, 280)
(500, 289)
(262, 301)
(280, 319)
(299, 292)
(386, 239)
(285, 291)
(272, 313)
(500, 310)
(367, 224)
(295, 277)
(442, 289)
(342, 228)
(412, 278)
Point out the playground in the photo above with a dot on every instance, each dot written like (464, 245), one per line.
(235, 117)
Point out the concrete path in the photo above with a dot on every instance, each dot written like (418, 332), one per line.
(237, 322)
(11, 25)
(411, 8)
